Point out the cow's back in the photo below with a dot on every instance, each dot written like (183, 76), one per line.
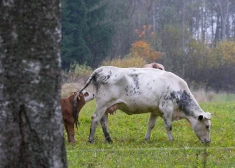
(136, 79)
(135, 89)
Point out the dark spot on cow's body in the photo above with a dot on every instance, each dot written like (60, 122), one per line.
(107, 76)
(133, 89)
(184, 101)
(136, 81)
(126, 89)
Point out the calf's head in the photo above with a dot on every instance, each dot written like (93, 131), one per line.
(78, 100)
(82, 98)
(87, 96)
(201, 126)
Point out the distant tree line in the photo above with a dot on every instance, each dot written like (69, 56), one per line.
(195, 38)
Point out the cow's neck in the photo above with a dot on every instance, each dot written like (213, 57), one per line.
(188, 104)
(192, 113)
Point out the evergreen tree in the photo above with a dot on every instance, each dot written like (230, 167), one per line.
(74, 28)
(99, 35)
(86, 32)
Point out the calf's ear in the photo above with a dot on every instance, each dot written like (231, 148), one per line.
(73, 93)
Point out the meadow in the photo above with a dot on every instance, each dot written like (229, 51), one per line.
(129, 149)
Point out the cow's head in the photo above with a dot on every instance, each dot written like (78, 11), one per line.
(201, 126)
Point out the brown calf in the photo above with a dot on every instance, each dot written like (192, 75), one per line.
(67, 111)
(155, 65)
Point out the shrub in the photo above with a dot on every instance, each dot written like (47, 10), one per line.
(76, 73)
(129, 61)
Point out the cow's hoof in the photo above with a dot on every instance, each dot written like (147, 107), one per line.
(171, 139)
(109, 139)
(146, 139)
(73, 143)
(91, 141)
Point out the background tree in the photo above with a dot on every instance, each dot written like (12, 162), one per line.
(86, 33)
(74, 29)
(31, 130)
(180, 28)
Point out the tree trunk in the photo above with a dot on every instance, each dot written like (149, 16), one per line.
(31, 129)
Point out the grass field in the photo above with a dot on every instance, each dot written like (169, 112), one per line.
(130, 150)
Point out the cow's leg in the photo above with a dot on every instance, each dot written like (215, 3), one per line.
(67, 131)
(151, 123)
(167, 109)
(95, 119)
(70, 132)
(104, 124)
(168, 126)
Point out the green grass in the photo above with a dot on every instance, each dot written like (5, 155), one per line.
(224, 97)
(130, 150)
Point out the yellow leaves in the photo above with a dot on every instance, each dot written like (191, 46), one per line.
(143, 49)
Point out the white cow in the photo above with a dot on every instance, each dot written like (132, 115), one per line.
(145, 90)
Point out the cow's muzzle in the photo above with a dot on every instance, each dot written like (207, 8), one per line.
(206, 141)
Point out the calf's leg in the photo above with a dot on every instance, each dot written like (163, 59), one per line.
(151, 123)
(67, 131)
(70, 132)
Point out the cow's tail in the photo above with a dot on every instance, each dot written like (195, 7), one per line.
(75, 103)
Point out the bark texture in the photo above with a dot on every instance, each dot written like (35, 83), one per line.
(31, 130)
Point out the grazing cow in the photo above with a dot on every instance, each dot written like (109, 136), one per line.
(67, 111)
(143, 90)
(155, 65)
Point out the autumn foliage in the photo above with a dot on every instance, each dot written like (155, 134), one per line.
(142, 48)
(141, 51)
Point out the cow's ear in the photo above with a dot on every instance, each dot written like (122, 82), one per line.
(200, 117)
(78, 98)
(208, 115)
